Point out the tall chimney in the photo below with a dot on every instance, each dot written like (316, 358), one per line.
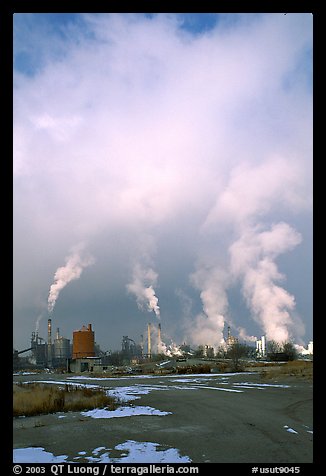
(49, 343)
(149, 350)
(159, 341)
(142, 344)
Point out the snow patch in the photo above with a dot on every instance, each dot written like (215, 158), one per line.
(147, 453)
(36, 455)
(218, 388)
(133, 452)
(290, 430)
(124, 412)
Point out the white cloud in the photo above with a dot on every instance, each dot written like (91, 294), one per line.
(140, 125)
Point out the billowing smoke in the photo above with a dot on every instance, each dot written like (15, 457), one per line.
(75, 263)
(164, 344)
(253, 260)
(195, 137)
(251, 251)
(208, 326)
(170, 350)
(244, 336)
(142, 286)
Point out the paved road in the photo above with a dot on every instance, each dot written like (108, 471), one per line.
(204, 418)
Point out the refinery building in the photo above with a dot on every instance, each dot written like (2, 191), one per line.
(83, 355)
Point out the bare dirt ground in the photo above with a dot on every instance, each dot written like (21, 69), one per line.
(229, 418)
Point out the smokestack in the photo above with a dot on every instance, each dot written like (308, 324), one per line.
(49, 343)
(142, 344)
(159, 341)
(149, 350)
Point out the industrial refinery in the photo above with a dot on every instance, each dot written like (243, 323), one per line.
(84, 355)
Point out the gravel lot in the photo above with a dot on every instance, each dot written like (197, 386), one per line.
(213, 418)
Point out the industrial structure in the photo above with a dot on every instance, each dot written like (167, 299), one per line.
(309, 351)
(149, 345)
(83, 351)
(49, 343)
(52, 353)
(130, 350)
(83, 343)
(261, 347)
(39, 350)
(83, 354)
(231, 340)
(208, 351)
(61, 350)
(159, 339)
(57, 352)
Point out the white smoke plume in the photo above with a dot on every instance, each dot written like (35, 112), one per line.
(302, 350)
(170, 350)
(208, 326)
(75, 263)
(253, 260)
(42, 304)
(193, 137)
(244, 336)
(160, 345)
(252, 192)
(142, 286)
(38, 320)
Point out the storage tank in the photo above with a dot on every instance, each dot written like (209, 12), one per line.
(83, 343)
(61, 348)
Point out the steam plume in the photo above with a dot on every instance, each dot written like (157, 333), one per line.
(142, 286)
(208, 327)
(72, 270)
(38, 320)
(253, 259)
(252, 192)
(159, 342)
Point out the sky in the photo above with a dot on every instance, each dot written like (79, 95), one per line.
(162, 172)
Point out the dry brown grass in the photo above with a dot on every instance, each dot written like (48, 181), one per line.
(194, 369)
(37, 399)
(296, 368)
